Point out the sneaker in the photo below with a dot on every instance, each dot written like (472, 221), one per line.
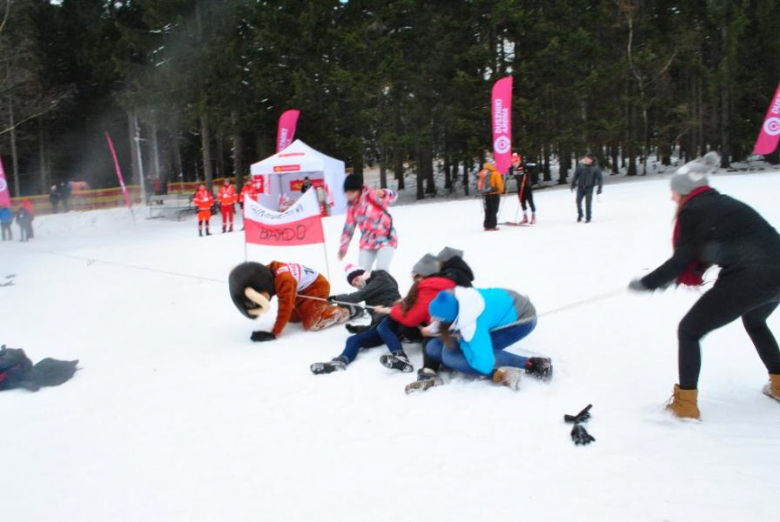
(539, 367)
(508, 376)
(426, 379)
(397, 361)
(336, 364)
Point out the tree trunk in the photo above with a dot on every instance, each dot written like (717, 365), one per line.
(134, 153)
(44, 178)
(447, 173)
(564, 160)
(221, 172)
(398, 169)
(205, 144)
(155, 154)
(466, 169)
(382, 166)
(238, 152)
(547, 175)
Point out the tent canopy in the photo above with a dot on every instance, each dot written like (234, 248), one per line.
(283, 172)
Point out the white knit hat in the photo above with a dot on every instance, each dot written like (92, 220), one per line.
(694, 174)
(352, 271)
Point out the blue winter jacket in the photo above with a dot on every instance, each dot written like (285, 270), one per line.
(482, 311)
(6, 215)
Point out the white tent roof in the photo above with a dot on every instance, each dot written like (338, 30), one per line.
(297, 157)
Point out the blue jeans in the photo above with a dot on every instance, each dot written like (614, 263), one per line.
(454, 359)
(386, 332)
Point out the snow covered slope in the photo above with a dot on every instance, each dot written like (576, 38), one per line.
(176, 415)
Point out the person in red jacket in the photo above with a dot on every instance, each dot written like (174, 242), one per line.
(247, 191)
(203, 201)
(227, 204)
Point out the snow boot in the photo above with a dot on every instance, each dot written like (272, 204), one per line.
(200, 233)
(509, 376)
(683, 403)
(539, 367)
(230, 229)
(224, 229)
(772, 389)
(336, 364)
(397, 361)
(338, 316)
(533, 219)
(525, 219)
(426, 379)
(207, 232)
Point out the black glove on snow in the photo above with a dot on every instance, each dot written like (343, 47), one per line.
(638, 286)
(580, 435)
(582, 416)
(261, 336)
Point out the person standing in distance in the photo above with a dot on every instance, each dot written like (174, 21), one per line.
(586, 177)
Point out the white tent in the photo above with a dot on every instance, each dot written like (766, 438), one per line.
(283, 173)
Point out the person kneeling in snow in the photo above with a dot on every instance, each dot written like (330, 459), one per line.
(301, 291)
(376, 288)
(476, 326)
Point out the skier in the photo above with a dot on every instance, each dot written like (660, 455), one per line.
(203, 200)
(402, 321)
(490, 185)
(585, 178)
(715, 229)
(368, 211)
(377, 288)
(476, 327)
(525, 193)
(227, 204)
(6, 220)
(301, 291)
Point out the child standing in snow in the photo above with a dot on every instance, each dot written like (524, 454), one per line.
(368, 211)
(490, 185)
(403, 320)
(377, 288)
(6, 220)
(476, 327)
(714, 229)
(23, 219)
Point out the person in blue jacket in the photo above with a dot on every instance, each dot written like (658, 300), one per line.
(476, 326)
(6, 220)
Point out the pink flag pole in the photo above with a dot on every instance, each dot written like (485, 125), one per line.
(5, 193)
(286, 131)
(119, 176)
(501, 111)
(769, 135)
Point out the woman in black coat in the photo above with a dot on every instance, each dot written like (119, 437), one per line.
(714, 229)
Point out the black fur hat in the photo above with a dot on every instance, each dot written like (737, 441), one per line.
(249, 275)
(353, 182)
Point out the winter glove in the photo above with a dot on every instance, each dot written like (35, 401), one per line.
(261, 336)
(580, 435)
(331, 298)
(638, 286)
(582, 416)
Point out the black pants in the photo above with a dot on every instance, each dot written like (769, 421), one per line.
(751, 298)
(492, 201)
(525, 195)
(586, 193)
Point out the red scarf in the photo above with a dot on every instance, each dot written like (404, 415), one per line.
(694, 274)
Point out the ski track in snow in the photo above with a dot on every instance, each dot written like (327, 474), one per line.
(176, 415)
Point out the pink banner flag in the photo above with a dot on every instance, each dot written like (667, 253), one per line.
(301, 224)
(770, 130)
(5, 194)
(119, 172)
(286, 132)
(501, 109)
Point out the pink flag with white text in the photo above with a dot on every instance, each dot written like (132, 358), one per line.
(501, 110)
(770, 130)
(5, 194)
(286, 131)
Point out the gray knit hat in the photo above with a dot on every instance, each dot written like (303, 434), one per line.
(448, 253)
(427, 265)
(693, 174)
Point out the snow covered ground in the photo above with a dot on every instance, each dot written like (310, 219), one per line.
(176, 415)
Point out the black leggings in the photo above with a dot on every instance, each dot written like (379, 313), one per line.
(526, 195)
(751, 301)
(492, 201)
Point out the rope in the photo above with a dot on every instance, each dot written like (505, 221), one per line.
(336, 302)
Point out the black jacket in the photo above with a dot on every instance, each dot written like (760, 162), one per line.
(719, 230)
(456, 269)
(380, 290)
(587, 176)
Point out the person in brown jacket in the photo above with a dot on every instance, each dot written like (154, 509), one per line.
(301, 291)
(491, 186)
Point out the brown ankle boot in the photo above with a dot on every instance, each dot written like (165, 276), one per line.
(683, 403)
(772, 389)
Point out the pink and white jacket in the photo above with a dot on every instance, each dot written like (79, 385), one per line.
(369, 213)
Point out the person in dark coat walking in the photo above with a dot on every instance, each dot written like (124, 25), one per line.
(54, 198)
(714, 229)
(376, 288)
(586, 177)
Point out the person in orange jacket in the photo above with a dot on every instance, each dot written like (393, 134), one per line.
(203, 200)
(302, 294)
(227, 204)
(491, 185)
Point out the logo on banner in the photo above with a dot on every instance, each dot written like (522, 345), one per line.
(772, 126)
(3, 185)
(287, 168)
(502, 144)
